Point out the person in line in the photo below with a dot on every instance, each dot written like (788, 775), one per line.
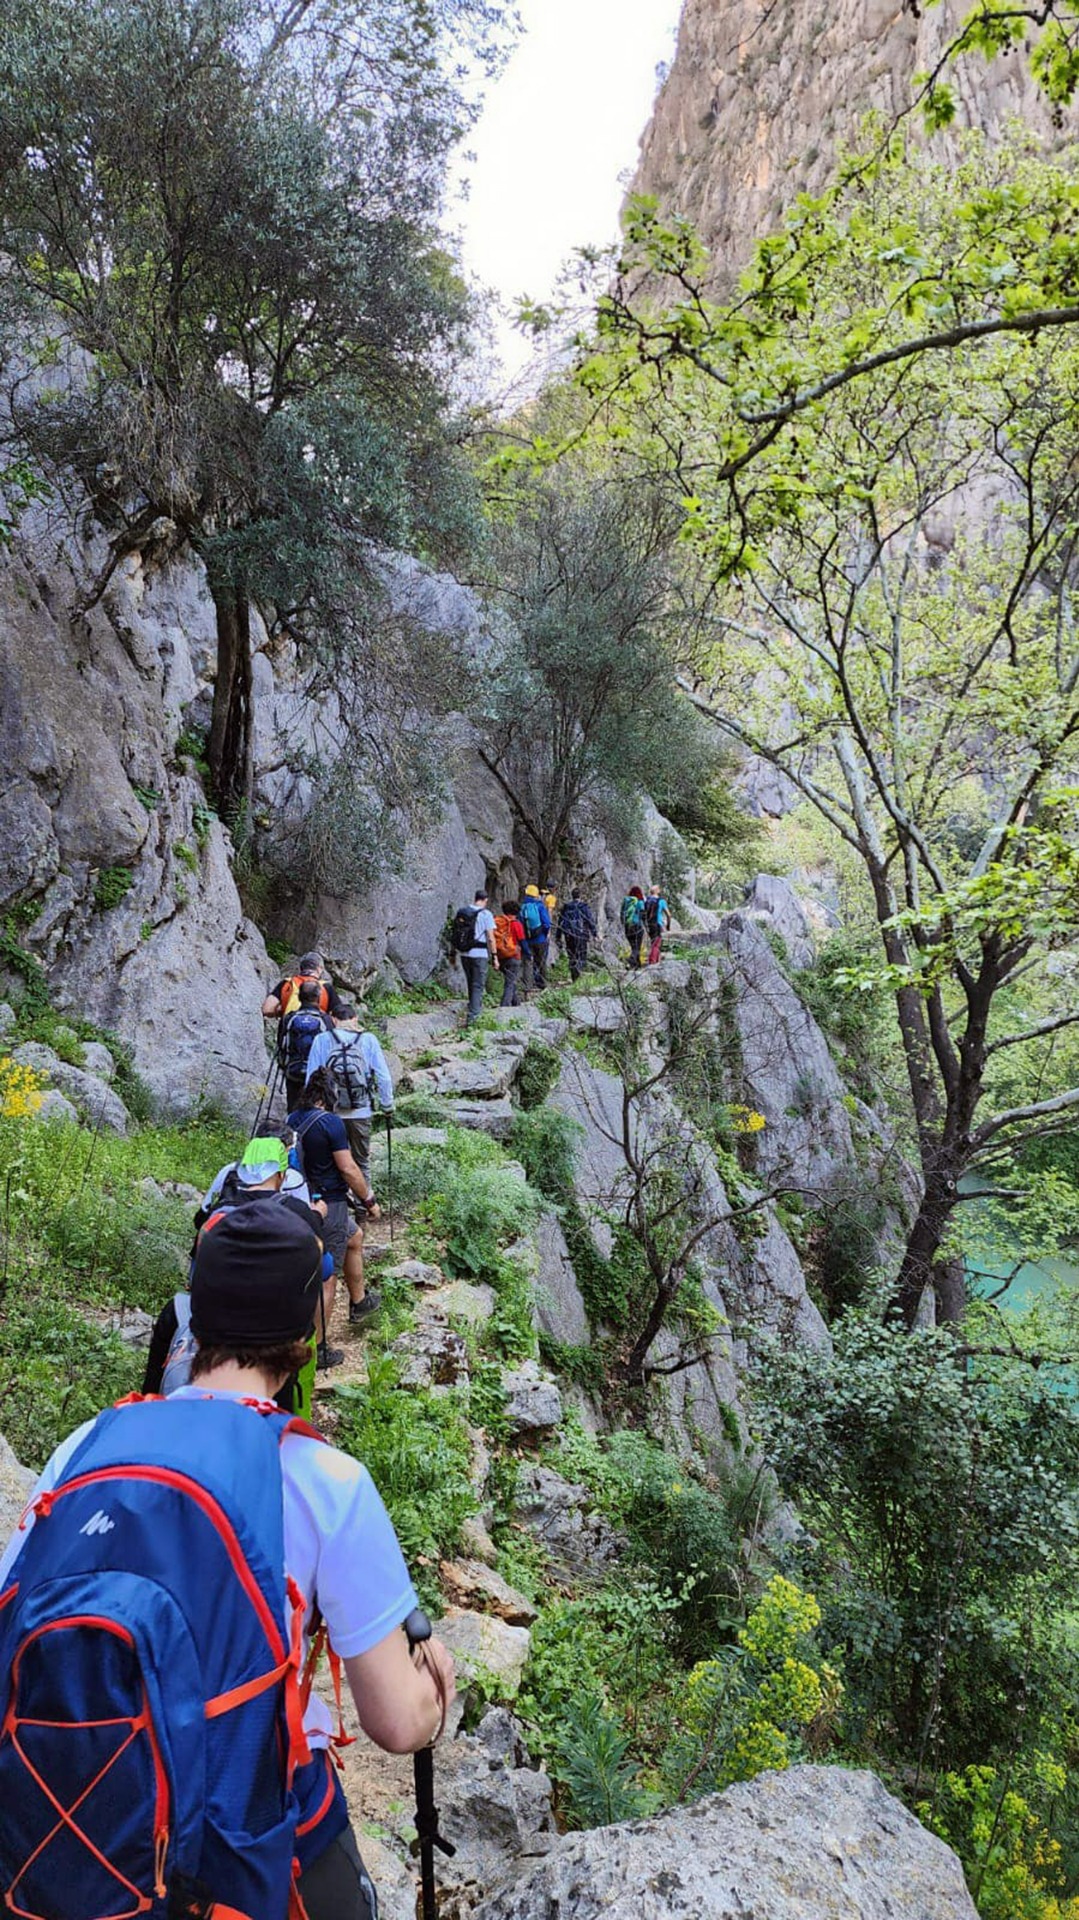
(480, 956)
(253, 1300)
(296, 1035)
(576, 927)
(262, 1173)
(536, 921)
(332, 1175)
(358, 1065)
(657, 917)
(285, 996)
(633, 924)
(509, 938)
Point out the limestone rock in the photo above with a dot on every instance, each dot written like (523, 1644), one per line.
(494, 1117)
(411, 1032)
(462, 1300)
(533, 1402)
(56, 1108)
(476, 1541)
(15, 1484)
(390, 1877)
(97, 1103)
(815, 1843)
(417, 1273)
(486, 1075)
(7, 1017)
(597, 1013)
(478, 1640)
(473, 1585)
(98, 1059)
(557, 1305)
(773, 902)
(495, 1809)
(432, 1355)
(581, 1545)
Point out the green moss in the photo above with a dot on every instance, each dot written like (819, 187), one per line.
(113, 884)
(537, 1074)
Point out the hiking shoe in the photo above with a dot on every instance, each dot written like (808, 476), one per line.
(363, 1309)
(328, 1356)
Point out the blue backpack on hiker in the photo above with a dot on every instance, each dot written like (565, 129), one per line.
(298, 1035)
(150, 1650)
(533, 915)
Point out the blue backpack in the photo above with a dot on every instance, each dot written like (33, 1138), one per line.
(532, 912)
(151, 1647)
(298, 1035)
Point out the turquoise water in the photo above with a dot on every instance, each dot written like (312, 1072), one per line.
(1034, 1279)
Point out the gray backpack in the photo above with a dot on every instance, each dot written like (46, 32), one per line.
(181, 1353)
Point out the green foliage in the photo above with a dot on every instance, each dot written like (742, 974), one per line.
(537, 1074)
(596, 1773)
(186, 855)
(191, 745)
(419, 1110)
(474, 1215)
(416, 1447)
(610, 1285)
(586, 1366)
(1012, 1863)
(56, 1368)
(113, 884)
(26, 967)
(747, 1710)
(546, 1143)
(148, 797)
(943, 1503)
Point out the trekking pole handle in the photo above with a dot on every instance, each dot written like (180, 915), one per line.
(417, 1627)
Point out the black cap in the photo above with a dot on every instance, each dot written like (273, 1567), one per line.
(257, 1275)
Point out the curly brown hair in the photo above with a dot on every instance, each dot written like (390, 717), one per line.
(286, 1359)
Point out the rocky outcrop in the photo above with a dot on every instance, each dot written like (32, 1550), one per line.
(761, 92)
(816, 1843)
(15, 1484)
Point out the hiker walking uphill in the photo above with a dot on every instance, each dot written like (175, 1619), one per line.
(159, 1594)
(296, 1036)
(576, 927)
(358, 1066)
(633, 923)
(536, 920)
(509, 940)
(657, 918)
(472, 937)
(332, 1174)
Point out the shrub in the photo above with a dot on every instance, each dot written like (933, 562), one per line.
(537, 1074)
(1012, 1863)
(113, 884)
(545, 1142)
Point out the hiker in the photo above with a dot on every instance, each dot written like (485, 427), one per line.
(156, 1590)
(536, 921)
(576, 927)
(657, 918)
(332, 1174)
(284, 998)
(509, 938)
(296, 1035)
(358, 1065)
(262, 1173)
(472, 938)
(633, 923)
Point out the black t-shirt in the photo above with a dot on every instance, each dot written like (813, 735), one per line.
(320, 1136)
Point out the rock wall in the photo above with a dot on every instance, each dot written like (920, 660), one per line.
(761, 92)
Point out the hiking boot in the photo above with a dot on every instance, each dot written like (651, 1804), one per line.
(328, 1356)
(359, 1310)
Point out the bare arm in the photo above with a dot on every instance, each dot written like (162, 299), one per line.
(352, 1175)
(396, 1698)
(271, 1007)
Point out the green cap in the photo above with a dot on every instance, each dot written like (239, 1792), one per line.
(262, 1158)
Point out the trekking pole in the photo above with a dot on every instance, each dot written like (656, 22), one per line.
(389, 1169)
(428, 1837)
(268, 1094)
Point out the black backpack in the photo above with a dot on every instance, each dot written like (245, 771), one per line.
(298, 1035)
(463, 930)
(351, 1078)
(651, 913)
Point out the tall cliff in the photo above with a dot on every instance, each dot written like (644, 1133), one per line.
(761, 93)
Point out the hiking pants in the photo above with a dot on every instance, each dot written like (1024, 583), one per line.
(336, 1886)
(358, 1128)
(511, 973)
(534, 958)
(475, 966)
(576, 953)
(656, 949)
(635, 936)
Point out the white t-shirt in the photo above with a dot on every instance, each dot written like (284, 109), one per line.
(485, 924)
(340, 1546)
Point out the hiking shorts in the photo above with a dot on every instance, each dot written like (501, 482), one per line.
(334, 1884)
(338, 1230)
(358, 1129)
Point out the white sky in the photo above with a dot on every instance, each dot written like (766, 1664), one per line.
(557, 136)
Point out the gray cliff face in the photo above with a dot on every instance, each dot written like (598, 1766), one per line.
(815, 1843)
(761, 93)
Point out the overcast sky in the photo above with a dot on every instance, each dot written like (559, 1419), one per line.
(558, 134)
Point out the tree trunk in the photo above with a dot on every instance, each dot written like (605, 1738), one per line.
(231, 745)
(921, 1267)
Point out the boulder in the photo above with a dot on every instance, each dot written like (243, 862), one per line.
(8, 1017)
(485, 1075)
(597, 1013)
(533, 1402)
(15, 1484)
(55, 1107)
(417, 1273)
(98, 1059)
(473, 1585)
(773, 902)
(815, 1843)
(494, 1117)
(463, 1301)
(96, 1102)
(478, 1641)
(432, 1355)
(579, 1543)
(496, 1810)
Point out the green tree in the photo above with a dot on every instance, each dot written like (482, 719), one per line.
(219, 224)
(892, 569)
(578, 707)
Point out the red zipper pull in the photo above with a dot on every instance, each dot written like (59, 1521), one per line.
(161, 1847)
